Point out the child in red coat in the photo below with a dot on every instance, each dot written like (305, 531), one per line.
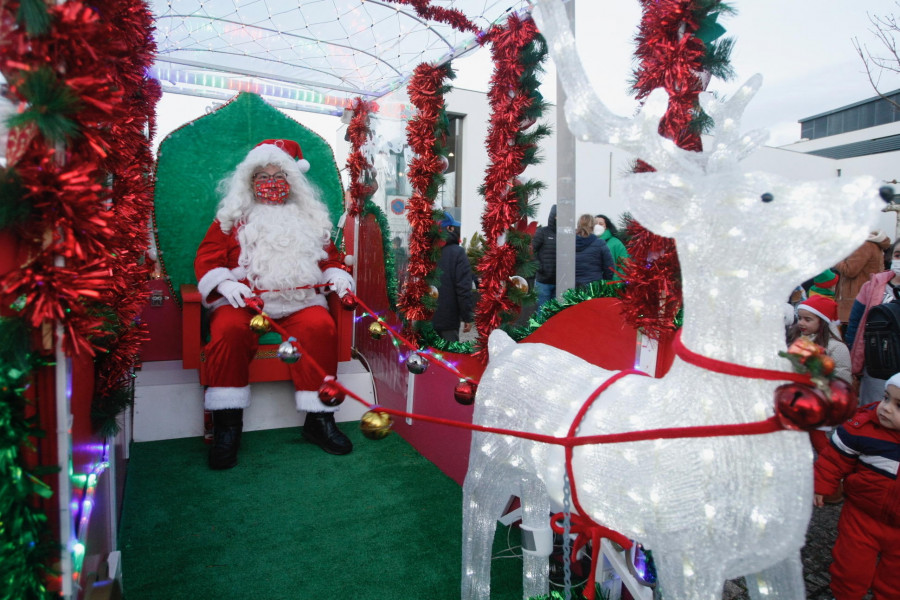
(864, 452)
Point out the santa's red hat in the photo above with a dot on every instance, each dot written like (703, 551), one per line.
(292, 149)
(821, 306)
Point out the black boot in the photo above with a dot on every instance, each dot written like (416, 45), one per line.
(227, 427)
(320, 429)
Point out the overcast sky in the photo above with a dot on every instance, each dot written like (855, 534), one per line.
(803, 49)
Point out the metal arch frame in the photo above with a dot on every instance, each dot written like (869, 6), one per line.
(280, 33)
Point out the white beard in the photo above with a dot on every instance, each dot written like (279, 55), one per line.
(281, 251)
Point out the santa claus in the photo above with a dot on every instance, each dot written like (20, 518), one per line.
(270, 239)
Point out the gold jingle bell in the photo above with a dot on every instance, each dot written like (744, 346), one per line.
(519, 283)
(377, 330)
(375, 424)
(260, 323)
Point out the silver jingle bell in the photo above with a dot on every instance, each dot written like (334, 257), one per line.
(416, 363)
(288, 352)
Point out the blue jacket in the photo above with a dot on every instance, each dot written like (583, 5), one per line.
(593, 260)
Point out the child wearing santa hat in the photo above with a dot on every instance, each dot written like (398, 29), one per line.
(817, 321)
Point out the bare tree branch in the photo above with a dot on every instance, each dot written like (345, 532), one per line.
(885, 30)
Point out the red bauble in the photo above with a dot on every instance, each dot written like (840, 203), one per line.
(800, 407)
(349, 301)
(464, 392)
(843, 402)
(443, 163)
(330, 393)
(254, 303)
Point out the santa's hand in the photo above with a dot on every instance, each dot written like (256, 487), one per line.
(342, 285)
(235, 292)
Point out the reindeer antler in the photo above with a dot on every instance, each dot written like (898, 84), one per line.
(590, 120)
(730, 146)
(588, 117)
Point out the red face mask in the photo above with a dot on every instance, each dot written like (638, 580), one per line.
(273, 191)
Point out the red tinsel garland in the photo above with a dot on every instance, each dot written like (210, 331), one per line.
(450, 16)
(92, 194)
(362, 176)
(670, 57)
(425, 94)
(501, 211)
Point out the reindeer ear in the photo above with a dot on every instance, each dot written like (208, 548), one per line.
(499, 341)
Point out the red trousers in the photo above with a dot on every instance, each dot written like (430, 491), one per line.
(866, 555)
(233, 344)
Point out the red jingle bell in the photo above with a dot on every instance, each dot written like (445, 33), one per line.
(330, 393)
(254, 303)
(843, 402)
(349, 301)
(464, 392)
(800, 407)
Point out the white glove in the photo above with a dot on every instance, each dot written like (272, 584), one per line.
(342, 285)
(234, 292)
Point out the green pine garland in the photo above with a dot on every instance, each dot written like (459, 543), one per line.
(33, 16)
(51, 105)
(25, 546)
(12, 209)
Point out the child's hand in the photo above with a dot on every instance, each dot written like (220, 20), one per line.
(818, 501)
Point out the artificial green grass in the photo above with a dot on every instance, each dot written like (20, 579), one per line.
(292, 522)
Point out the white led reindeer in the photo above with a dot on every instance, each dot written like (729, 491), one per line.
(712, 508)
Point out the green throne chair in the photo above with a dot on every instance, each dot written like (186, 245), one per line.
(191, 162)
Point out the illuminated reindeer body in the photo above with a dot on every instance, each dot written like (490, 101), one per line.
(713, 508)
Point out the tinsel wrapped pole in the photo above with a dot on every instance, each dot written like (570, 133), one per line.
(517, 50)
(426, 133)
(675, 50)
(362, 174)
(82, 162)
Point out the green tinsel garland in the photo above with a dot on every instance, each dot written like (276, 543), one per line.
(569, 298)
(429, 338)
(25, 544)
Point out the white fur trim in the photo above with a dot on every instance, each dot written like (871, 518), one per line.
(303, 165)
(211, 280)
(219, 398)
(814, 311)
(309, 402)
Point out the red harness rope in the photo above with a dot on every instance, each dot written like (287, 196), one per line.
(585, 528)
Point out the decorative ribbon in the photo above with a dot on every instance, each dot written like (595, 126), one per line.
(588, 531)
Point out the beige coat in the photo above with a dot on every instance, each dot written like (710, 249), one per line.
(855, 270)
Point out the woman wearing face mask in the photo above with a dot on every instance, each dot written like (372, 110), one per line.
(879, 289)
(606, 231)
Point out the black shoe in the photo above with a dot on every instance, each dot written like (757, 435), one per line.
(227, 427)
(320, 429)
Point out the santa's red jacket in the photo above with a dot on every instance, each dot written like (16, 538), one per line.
(865, 455)
(217, 261)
